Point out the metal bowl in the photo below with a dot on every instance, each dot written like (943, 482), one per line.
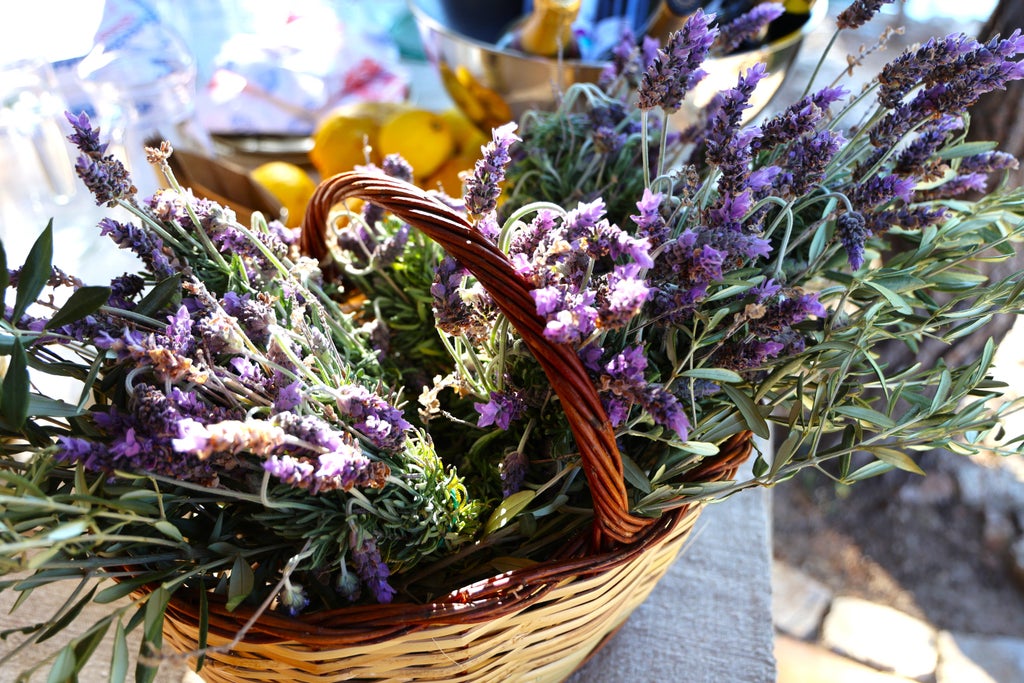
(492, 85)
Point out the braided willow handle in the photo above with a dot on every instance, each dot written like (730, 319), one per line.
(591, 429)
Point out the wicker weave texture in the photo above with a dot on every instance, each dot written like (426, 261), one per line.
(542, 643)
(534, 624)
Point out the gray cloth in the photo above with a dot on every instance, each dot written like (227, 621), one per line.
(709, 619)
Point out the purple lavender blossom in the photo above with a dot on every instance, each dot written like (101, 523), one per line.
(501, 410)
(254, 315)
(395, 166)
(852, 230)
(649, 221)
(900, 76)
(343, 470)
(949, 88)
(141, 440)
(179, 332)
(451, 314)
(676, 68)
(723, 142)
(388, 251)
(748, 25)
(880, 190)
(626, 295)
(370, 567)
(909, 217)
(513, 472)
(987, 162)
(293, 599)
(955, 187)
(798, 119)
(288, 398)
(806, 162)
(374, 417)
(484, 185)
(859, 13)
(147, 246)
(666, 410)
(570, 313)
(104, 176)
(124, 289)
(228, 437)
(85, 138)
(918, 158)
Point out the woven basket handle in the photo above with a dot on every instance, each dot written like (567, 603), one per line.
(590, 426)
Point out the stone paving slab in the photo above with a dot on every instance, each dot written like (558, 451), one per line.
(799, 602)
(967, 658)
(800, 662)
(882, 637)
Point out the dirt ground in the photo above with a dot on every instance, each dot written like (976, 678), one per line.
(927, 558)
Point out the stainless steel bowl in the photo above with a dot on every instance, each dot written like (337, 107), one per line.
(493, 85)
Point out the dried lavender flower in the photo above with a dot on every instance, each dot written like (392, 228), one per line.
(676, 68)
(747, 26)
(859, 13)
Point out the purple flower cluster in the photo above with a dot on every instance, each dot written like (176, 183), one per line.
(628, 62)
(624, 383)
(676, 68)
(370, 567)
(513, 472)
(375, 418)
(335, 470)
(806, 161)
(748, 26)
(859, 13)
(484, 185)
(798, 119)
(104, 176)
(769, 319)
(952, 74)
(725, 144)
(585, 272)
(142, 438)
(452, 313)
(503, 408)
(148, 247)
(853, 233)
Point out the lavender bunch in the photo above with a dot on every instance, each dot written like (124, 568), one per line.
(222, 385)
(753, 277)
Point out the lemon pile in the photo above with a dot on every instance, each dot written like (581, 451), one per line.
(438, 145)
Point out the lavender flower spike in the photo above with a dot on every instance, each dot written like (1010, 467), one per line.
(859, 13)
(748, 25)
(483, 186)
(371, 567)
(104, 176)
(676, 68)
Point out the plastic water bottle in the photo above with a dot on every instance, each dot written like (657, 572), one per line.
(141, 77)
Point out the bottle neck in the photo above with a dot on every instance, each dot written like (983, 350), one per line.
(548, 29)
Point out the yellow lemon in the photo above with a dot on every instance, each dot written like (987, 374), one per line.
(289, 184)
(464, 131)
(342, 142)
(422, 137)
(447, 178)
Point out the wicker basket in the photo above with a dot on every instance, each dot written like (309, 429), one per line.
(534, 624)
